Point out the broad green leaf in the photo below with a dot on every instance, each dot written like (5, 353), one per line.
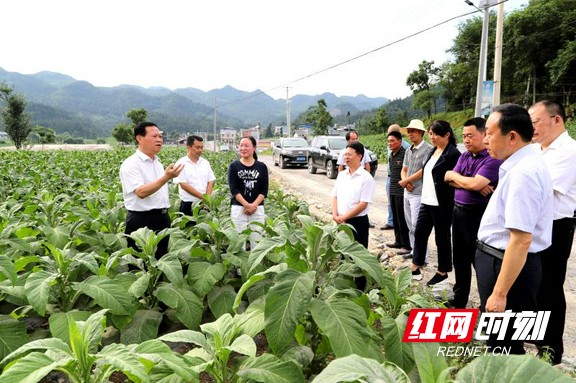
(53, 344)
(202, 276)
(109, 294)
(22, 262)
(144, 326)
(89, 261)
(119, 357)
(37, 287)
(270, 369)
(511, 369)
(397, 352)
(286, 303)
(430, 365)
(345, 325)
(263, 248)
(354, 368)
(255, 279)
(7, 269)
(85, 337)
(139, 287)
(187, 336)
(251, 322)
(188, 306)
(172, 268)
(12, 335)
(303, 355)
(365, 261)
(58, 323)
(221, 300)
(244, 345)
(31, 368)
(223, 330)
(57, 236)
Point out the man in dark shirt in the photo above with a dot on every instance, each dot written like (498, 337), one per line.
(395, 161)
(474, 177)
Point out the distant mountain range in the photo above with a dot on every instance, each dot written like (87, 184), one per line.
(65, 104)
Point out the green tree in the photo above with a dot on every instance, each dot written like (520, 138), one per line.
(45, 135)
(377, 123)
(319, 117)
(137, 115)
(424, 79)
(123, 133)
(16, 119)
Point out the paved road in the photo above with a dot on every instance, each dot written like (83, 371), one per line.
(316, 189)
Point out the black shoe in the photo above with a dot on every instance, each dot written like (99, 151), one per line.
(387, 227)
(371, 225)
(437, 278)
(408, 256)
(393, 245)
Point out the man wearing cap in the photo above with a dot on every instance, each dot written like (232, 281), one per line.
(517, 224)
(144, 185)
(411, 179)
(558, 152)
(390, 223)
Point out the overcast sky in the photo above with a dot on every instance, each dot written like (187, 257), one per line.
(250, 44)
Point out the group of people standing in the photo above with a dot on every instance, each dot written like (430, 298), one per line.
(145, 184)
(504, 206)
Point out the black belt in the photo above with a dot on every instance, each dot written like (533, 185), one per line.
(490, 250)
(152, 211)
(475, 206)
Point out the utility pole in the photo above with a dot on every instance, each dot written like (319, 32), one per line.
(214, 121)
(288, 102)
(483, 54)
(498, 54)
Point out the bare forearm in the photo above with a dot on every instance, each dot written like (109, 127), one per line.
(191, 190)
(514, 260)
(355, 211)
(151, 188)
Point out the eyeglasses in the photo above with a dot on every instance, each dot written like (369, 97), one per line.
(539, 120)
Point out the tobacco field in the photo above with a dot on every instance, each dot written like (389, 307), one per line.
(75, 300)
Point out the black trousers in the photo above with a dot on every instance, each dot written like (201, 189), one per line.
(155, 220)
(439, 218)
(186, 207)
(465, 223)
(400, 227)
(362, 226)
(551, 294)
(521, 296)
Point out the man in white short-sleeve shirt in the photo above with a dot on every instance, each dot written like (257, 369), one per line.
(197, 177)
(517, 223)
(353, 193)
(144, 185)
(558, 151)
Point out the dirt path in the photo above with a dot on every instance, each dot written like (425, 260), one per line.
(315, 189)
